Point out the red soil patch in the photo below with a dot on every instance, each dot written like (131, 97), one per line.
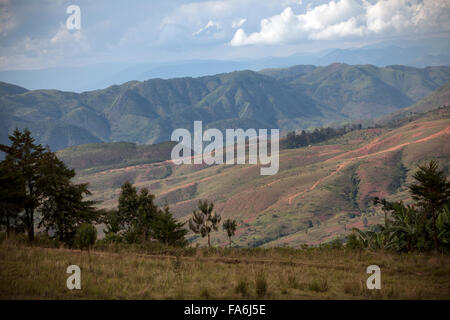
(363, 153)
(358, 224)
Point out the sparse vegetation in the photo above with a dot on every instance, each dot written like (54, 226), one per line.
(318, 285)
(138, 272)
(260, 284)
(425, 225)
(242, 287)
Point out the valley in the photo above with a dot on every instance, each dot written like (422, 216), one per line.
(319, 193)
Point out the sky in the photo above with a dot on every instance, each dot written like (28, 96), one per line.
(34, 35)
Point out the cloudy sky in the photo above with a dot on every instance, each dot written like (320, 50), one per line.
(33, 34)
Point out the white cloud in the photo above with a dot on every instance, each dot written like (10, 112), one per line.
(188, 21)
(66, 36)
(191, 13)
(238, 23)
(348, 19)
(210, 27)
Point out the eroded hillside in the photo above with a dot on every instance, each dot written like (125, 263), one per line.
(319, 193)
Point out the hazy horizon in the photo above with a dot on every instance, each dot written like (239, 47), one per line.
(137, 40)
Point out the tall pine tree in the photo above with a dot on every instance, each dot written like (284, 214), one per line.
(12, 195)
(24, 157)
(38, 180)
(431, 192)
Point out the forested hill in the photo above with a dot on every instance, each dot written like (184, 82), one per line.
(147, 112)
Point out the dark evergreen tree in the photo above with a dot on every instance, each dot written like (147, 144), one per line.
(431, 192)
(166, 229)
(63, 208)
(24, 156)
(111, 220)
(43, 182)
(12, 195)
(128, 206)
(146, 213)
(136, 212)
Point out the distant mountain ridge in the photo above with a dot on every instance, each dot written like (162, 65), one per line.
(147, 112)
(415, 53)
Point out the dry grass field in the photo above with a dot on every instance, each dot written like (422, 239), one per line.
(197, 273)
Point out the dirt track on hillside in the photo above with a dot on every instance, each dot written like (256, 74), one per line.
(367, 147)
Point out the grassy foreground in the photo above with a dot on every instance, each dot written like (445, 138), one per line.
(40, 273)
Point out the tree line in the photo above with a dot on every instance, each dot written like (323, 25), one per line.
(305, 138)
(36, 190)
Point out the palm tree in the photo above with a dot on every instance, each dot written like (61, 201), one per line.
(204, 220)
(406, 228)
(372, 239)
(443, 224)
(230, 227)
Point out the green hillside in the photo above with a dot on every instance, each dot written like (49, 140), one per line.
(439, 98)
(8, 89)
(363, 91)
(147, 112)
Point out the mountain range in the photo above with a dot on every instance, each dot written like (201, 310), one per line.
(426, 52)
(298, 97)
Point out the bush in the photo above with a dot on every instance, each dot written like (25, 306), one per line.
(336, 243)
(242, 287)
(205, 293)
(112, 237)
(43, 240)
(85, 236)
(319, 285)
(353, 242)
(260, 284)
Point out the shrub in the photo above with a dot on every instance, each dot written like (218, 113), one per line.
(112, 238)
(336, 243)
(320, 285)
(85, 236)
(292, 281)
(260, 284)
(242, 287)
(353, 242)
(353, 288)
(205, 293)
